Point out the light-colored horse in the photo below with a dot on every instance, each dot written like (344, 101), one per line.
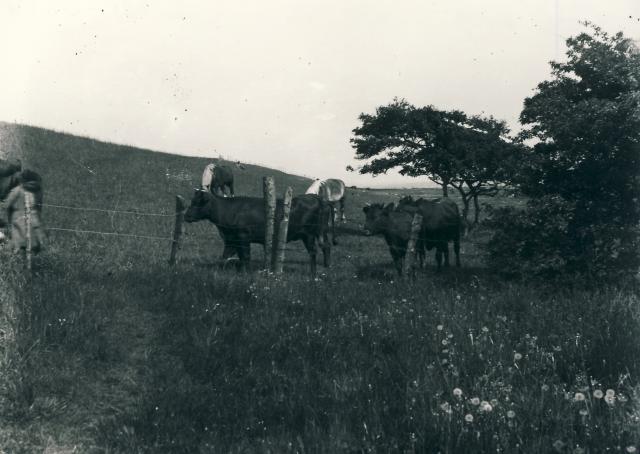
(333, 191)
(216, 178)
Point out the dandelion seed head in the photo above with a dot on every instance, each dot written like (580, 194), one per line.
(517, 356)
(610, 399)
(511, 414)
(457, 392)
(631, 449)
(545, 387)
(583, 412)
(485, 329)
(439, 327)
(468, 417)
(485, 406)
(598, 394)
(610, 392)
(578, 397)
(475, 401)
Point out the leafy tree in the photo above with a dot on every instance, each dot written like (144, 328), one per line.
(584, 164)
(448, 147)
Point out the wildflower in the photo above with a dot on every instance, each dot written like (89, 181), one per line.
(544, 387)
(446, 407)
(485, 329)
(578, 397)
(468, 417)
(610, 392)
(494, 402)
(475, 401)
(485, 406)
(439, 327)
(583, 412)
(457, 392)
(631, 449)
(458, 297)
(517, 356)
(444, 342)
(511, 414)
(578, 450)
(610, 399)
(598, 394)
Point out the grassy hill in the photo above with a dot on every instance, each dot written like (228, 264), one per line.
(105, 348)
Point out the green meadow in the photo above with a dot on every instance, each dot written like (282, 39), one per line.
(105, 348)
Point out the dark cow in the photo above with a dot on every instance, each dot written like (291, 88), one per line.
(9, 176)
(393, 225)
(216, 178)
(441, 223)
(241, 221)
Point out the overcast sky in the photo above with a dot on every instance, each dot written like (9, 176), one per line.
(276, 82)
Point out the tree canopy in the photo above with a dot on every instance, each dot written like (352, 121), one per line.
(450, 148)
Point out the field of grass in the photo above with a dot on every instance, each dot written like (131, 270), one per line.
(108, 349)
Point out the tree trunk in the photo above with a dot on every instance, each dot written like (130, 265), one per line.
(476, 206)
(445, 188)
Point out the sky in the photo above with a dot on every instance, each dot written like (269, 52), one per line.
(281, 82)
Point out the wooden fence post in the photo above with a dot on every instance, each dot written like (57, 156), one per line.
(410, 255)
(28, 205)
(177, 230)
(281, 241)
(269, 190)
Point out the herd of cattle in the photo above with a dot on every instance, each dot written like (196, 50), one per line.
(241, 220)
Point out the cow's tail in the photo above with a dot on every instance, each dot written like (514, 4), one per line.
(327, 210)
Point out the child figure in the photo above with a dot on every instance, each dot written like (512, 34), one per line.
(30, 182)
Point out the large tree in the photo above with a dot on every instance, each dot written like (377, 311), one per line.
(584, 166)
(469, 153)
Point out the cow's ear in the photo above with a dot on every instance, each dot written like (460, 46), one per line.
(389, 208)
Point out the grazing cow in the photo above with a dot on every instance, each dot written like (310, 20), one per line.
(394, 225)
(216, 178)
(241, 221)
(441, 223)
(333, 191)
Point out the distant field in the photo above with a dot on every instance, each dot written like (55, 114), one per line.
(117, 352)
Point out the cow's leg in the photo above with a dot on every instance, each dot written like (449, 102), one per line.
(244, 251)
(439, 258)
(343, 218)
(325, 245)
(229, 251)
(456, 249)
(333, 224)
(231, 190)
(310, 245)
(445, 251)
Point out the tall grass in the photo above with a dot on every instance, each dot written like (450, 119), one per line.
(107, 349)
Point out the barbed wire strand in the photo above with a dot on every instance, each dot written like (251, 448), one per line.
(131, 235)
(140, 213)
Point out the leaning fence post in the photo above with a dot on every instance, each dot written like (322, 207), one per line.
(269, 190)
(409, 256)
(28, 204)
(177, 230)
(281, 241)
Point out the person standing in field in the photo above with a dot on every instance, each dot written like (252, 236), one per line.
(30, 182)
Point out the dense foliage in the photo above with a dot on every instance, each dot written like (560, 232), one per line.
(582, 176)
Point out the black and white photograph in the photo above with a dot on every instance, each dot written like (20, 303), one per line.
(320, 226)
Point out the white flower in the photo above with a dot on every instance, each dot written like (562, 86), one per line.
(517, 356)
(475, 401)
(631, 449)
(610, 399)
(485, 406)
(457, 392)
(511, 414)
(439, 327)
(468, 417)
(578, 397)
(610, 392)
(598, 394)
(446, 407)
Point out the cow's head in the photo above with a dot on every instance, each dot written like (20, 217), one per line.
(198, 208)
(375, 217)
